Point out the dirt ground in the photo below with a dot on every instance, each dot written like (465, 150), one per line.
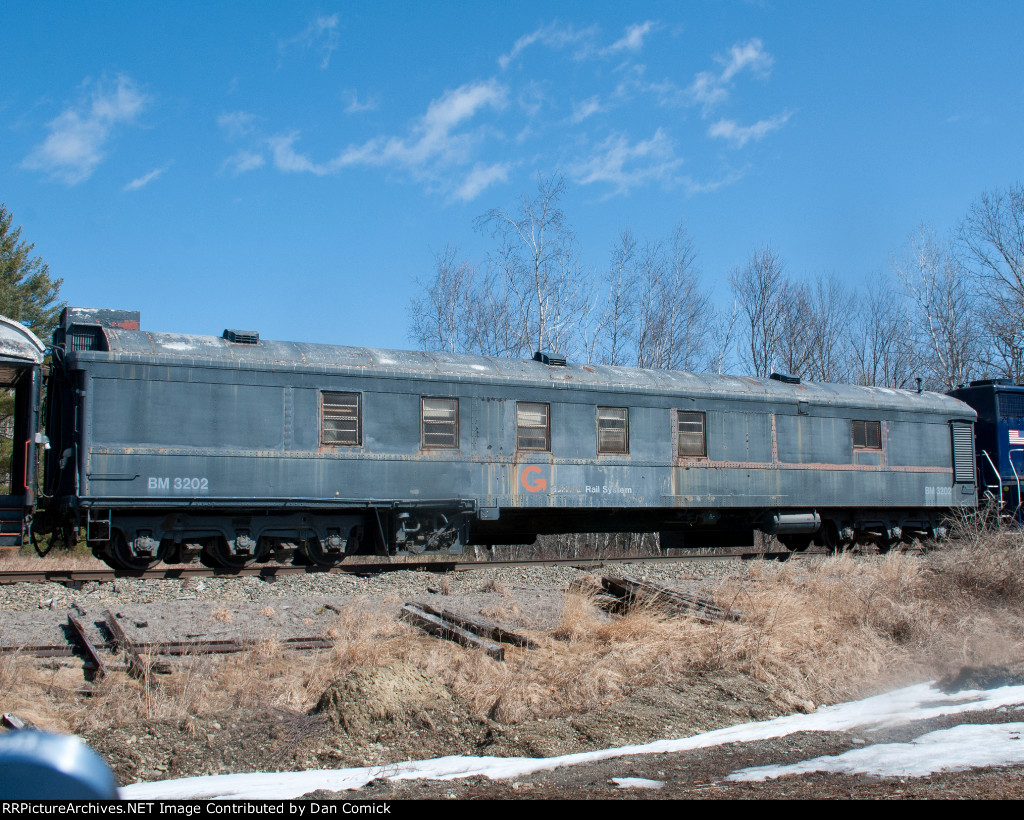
(433, 725)
(377, 713)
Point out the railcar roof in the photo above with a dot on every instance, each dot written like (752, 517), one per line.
(212, 351)
(19, 344)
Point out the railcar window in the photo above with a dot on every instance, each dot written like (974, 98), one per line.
(1011, 405)
(440, 424)
(867, 435)
(691, 438)
(612, 430)
(533, 426)
(341, 419)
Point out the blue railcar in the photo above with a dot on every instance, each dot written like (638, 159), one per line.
(999, 436)
(237, 448)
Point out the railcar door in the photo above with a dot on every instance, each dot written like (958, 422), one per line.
(21, 359)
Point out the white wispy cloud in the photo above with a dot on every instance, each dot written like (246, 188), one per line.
(243, 161)
(438, 141)
(739, 135)
(633, 39)
(353, 105)
(750, 54)
(321, 36)
(145, 179)
(554, 36)
(482, 177)
(709, 88)
(586, 108)
(79, 135)
(624, 166)
(236, 123)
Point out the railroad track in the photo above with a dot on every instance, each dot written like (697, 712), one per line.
(75, 578)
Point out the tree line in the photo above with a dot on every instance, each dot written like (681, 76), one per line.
(947, 310)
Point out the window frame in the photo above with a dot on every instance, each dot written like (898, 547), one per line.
(324, 403)
(624, 451)
(864, 424)
(423, 423)
(547, 427)
(680, 414)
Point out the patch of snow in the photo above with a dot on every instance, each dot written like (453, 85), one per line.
(637, 783)
(918, 702)
(947, 750)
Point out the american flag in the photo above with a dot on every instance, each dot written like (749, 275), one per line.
(1016, 437)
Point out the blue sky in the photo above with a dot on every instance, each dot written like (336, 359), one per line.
(293, 167)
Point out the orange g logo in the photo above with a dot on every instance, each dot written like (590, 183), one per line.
(531, 479)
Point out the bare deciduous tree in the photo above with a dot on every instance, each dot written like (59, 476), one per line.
(616, 317)
(830, 323)
(991, 242)
(759, 290)
(542, 277)
(439, 314)
(944, 314)
(883, 349)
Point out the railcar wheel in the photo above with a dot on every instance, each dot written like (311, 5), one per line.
(312, 552)
(217, 554)
(118, 554)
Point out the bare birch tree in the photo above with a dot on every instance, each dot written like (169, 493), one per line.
(991, 242)
(759, 290)
(883, 349)
(830, 314)
(439, 314)
(542, 276)
(944, 314)
(614, 327)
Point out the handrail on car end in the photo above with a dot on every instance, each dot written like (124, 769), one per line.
(998, 475)
(1016, 477)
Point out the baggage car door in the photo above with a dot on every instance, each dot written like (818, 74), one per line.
(21, 360)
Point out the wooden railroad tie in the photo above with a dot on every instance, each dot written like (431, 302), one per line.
(463, 630)
(91, 651)
(137, 667)
(620, 594)
(134, 651)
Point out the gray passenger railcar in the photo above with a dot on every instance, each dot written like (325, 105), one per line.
(237, 448)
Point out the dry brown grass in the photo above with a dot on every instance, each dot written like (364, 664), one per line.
(27, 560)
(821, 630)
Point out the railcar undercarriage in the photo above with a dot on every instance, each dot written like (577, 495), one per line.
(135, 541)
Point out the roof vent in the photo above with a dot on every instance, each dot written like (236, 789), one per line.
(242, 337)
(550, 359)
(785, 378)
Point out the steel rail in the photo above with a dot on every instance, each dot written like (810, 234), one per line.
(76, 577)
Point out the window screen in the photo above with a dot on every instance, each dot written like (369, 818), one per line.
(1011, 405)
(341, 419)
(691, 440)
(612, 430)
(440, 424)
(867, 435)
(533, 426)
